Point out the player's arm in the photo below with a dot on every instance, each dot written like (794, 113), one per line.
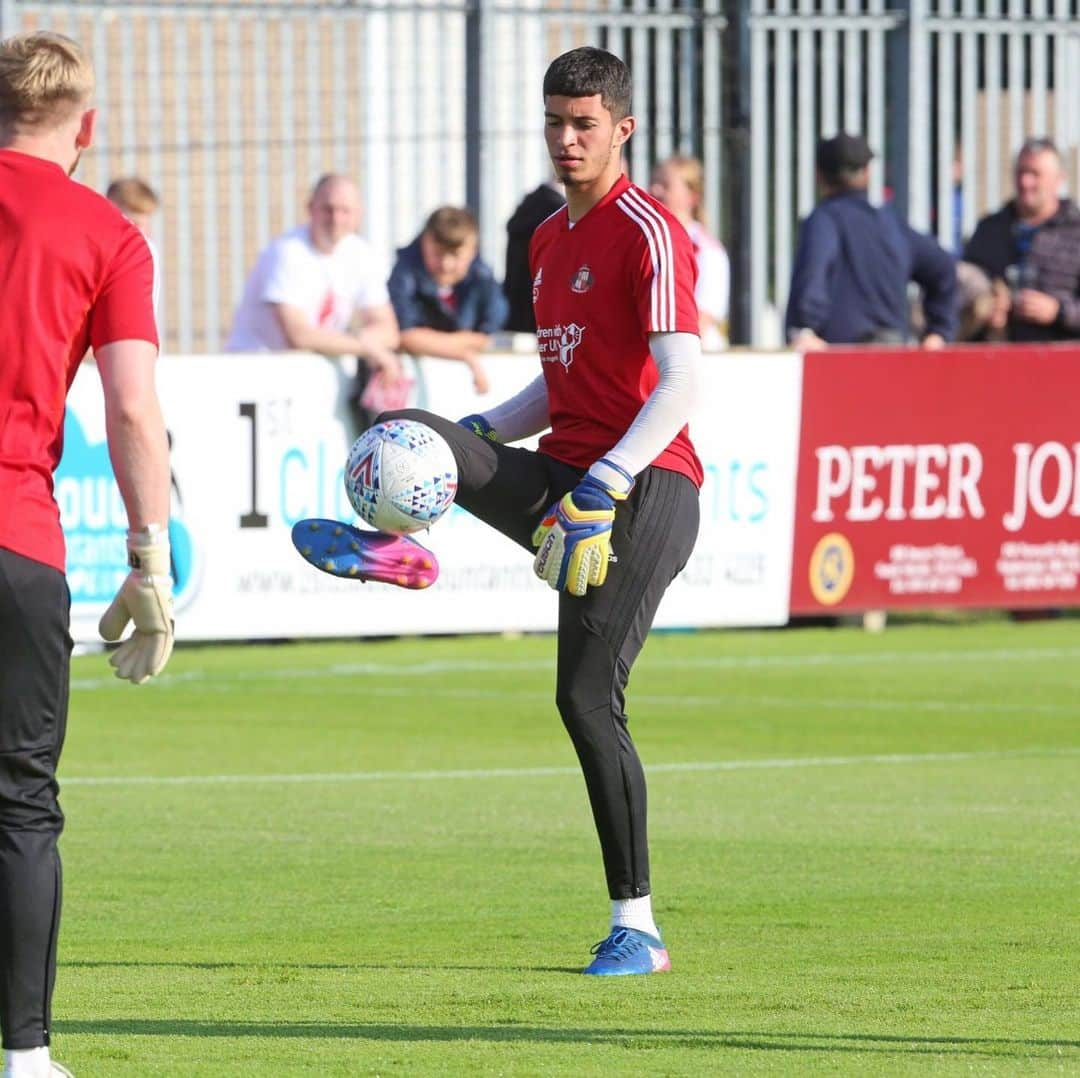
(668, 407)
(574, 539)
(523, 415)
(138, 449)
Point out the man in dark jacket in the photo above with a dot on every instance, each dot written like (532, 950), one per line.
(538, 205)
(447, 301)
(1030, 248)
(854, 262)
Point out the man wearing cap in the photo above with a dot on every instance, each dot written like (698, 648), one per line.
(854, 262)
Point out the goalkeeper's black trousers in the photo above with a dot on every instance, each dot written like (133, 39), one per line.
(35, 656)
(600, 634)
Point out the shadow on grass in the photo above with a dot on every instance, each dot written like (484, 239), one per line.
(760, 1040)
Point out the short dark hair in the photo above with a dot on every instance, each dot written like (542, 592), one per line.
(587, 71)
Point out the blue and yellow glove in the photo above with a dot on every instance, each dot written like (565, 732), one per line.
(573, 540)
(480, 427)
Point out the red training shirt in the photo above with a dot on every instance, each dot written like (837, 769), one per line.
(74, 274)
(625, 270)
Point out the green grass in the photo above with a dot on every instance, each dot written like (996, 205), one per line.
(879, 875)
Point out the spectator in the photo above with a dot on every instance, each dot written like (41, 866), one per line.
(679, 183)
(1030, 249)
(537, 206)
(854, 262)
(446, 298)
(138, 202)
(311, 286)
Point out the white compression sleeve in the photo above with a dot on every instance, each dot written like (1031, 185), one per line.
(524, 414)
(668, 407)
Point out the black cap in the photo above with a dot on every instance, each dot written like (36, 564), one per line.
(842, 153)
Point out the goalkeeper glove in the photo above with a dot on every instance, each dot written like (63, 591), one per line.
(573, 540)
(480, 427)
(144, 598)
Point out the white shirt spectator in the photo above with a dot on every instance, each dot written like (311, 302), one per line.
(328, 288)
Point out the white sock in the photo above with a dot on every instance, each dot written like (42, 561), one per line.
(27, 1062)
(634, 913)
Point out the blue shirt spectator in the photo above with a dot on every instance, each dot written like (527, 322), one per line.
(446, 298)
(854, 262)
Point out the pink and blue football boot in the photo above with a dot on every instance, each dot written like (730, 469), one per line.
(628, 951)
(344, 551)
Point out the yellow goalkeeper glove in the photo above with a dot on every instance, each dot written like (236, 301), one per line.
(573, 540)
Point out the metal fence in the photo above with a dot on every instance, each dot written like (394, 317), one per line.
(231, 109)
(944, 91)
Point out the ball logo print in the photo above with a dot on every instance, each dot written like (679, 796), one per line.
(400, 476)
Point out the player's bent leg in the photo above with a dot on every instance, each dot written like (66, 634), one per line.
(352, 554)
(507, 487)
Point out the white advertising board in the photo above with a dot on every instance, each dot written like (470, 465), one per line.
(259, 442)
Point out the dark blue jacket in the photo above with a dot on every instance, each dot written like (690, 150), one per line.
(479, 301)
(852, 269)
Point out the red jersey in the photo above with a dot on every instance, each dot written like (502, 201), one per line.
(625, 270)
(76, 274)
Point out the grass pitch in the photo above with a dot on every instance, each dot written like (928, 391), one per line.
(377, 858)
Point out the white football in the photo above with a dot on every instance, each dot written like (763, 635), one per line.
(400, 476)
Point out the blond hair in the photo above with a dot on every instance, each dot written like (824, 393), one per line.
(692, 173)
(133, 195)
(44, 78)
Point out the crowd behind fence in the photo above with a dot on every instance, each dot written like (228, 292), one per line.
(231, 109)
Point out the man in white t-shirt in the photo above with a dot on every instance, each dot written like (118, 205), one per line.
(312, 287)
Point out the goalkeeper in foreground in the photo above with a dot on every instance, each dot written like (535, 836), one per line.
(77, 274)
(609, 503)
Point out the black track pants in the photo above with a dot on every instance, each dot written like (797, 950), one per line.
(600, 634)
(35, 654)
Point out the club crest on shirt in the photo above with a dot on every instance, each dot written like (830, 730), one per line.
(557, 343)
(536, 283)
(582, 281)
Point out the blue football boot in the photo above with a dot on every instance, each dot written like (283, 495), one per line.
(344, 551)
(626, 951)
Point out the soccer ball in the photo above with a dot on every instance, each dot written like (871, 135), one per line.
(400, 476)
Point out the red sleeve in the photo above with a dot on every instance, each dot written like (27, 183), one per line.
(665, 274)
(124, 307)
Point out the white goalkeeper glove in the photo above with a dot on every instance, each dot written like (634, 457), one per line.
(144, 598)
(573, 540)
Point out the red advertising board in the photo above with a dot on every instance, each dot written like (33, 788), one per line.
(938, 479)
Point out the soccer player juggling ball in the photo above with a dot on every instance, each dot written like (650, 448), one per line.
(609, 502)
(77, 275)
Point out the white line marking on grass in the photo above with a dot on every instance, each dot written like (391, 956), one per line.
(891, 759)
(720, 662)
(722, 701)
